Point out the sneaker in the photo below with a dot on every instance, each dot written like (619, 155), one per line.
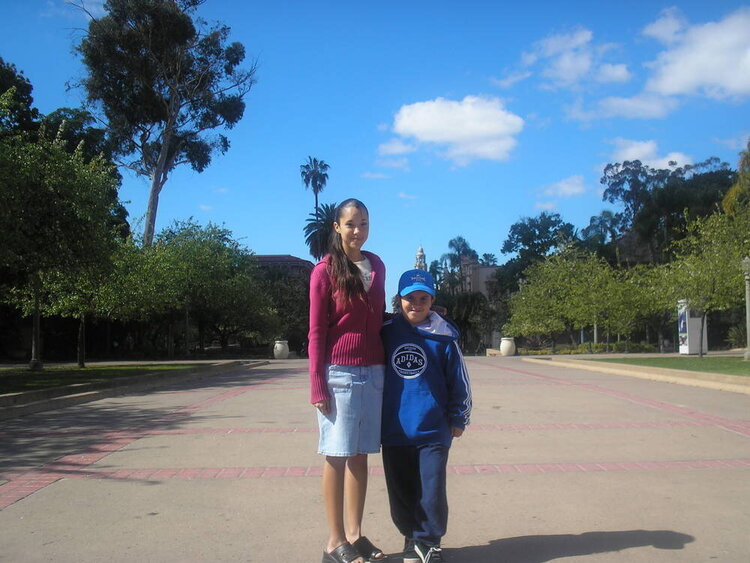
(428, 553)
(410, 556)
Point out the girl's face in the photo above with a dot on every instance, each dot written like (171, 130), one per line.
(354, 227)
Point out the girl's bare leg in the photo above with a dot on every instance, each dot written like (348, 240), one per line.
(355, 491)
(334, 477)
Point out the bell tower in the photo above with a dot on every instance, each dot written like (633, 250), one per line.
(420, 263)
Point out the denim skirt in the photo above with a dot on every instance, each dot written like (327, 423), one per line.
(352, 425)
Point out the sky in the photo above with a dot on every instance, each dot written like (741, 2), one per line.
(446, 118)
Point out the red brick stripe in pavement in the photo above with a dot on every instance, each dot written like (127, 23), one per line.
(135, 434)
(22, 484)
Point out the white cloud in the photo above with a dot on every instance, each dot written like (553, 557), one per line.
(403, 195)
(546, 205)
(566, 57)
(568, 187)
(395, 146)
(640, 106)
(569, 59)
(511, 79)
(569, 67)
(401, 163)
(711, 59)
(219, 190)
(613, 73)
(476, 127)
(738, 143)
(562, 43)
(647, 152)
(668, 27)
(205, 207)
(374, 175)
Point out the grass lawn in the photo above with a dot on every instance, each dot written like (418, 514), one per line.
(710, 364)
(13, 380)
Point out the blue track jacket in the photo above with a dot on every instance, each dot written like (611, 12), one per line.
(427, 387)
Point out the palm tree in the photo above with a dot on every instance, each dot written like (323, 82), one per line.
(488, 259)
(318, 229)
(314, 174)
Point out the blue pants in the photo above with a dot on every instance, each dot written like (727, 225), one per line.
(415, 476)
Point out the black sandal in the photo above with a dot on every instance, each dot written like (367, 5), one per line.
(368, 551)
(345, 553)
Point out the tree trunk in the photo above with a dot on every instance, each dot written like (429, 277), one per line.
(596, 333)
(82, 341)
(187, 332)
(150, 221)
(36, 363)
(158, 179)
(170, 340)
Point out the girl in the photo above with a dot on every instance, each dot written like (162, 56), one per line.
(347, 301)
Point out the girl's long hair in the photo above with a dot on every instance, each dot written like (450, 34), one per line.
(345, 273)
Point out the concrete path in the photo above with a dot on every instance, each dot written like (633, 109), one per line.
(559, 463)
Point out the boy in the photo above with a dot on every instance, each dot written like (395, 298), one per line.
(426, 403)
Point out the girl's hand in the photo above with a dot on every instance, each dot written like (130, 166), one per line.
(456, 432)
(322, 406)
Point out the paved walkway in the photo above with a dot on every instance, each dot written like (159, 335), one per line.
(558, 463)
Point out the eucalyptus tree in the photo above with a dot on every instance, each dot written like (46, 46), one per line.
(18, 113)
(658, 203)
(164, 81)
(314, 174)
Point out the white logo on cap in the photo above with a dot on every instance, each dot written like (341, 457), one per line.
(409, 361)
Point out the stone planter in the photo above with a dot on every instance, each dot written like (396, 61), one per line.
(281, 350)
(507, 346)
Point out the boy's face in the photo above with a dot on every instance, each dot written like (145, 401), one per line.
(415, 307)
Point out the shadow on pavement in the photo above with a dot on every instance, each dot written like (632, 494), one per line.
(537, 549)
(37, 439)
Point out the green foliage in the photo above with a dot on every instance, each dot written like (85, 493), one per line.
(319, 228)
(739, 194)
(588, 348)
(737, 336)
(473, 316)
(707, 270)
(568, 290)
(56, 208)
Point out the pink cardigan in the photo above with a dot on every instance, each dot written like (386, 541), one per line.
(343, 334)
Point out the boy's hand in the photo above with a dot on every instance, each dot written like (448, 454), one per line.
(456, 432)
(440, 310)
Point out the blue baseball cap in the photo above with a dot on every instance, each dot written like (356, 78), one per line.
(416, 280)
